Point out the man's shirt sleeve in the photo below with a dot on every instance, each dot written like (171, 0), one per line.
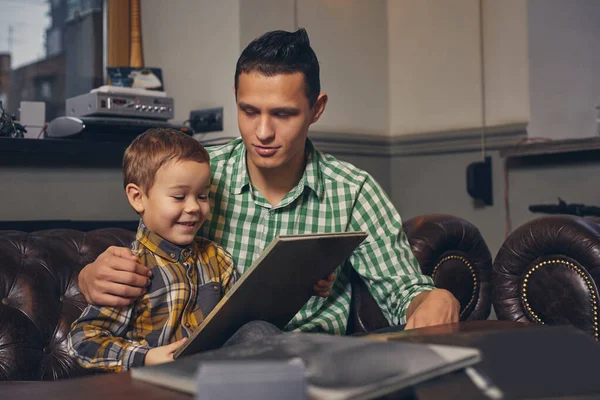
(385, 260)
(96, 340)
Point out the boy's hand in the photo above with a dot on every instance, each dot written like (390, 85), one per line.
(115, 279)
(322, 287)
(162, 354)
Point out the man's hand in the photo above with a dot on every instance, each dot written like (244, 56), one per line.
(322, 287)
(435, 307)
(115, 279)
(162, 354)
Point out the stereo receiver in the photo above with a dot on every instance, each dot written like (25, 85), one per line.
(132, 105)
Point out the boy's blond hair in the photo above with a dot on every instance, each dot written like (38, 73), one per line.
(155, 148)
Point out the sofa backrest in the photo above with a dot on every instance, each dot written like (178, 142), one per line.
(40, 297)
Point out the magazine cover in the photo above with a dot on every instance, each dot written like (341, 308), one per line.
(141, 78)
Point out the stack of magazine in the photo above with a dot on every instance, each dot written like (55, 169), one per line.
(335, 367)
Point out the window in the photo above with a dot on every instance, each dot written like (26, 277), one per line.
(50, 50)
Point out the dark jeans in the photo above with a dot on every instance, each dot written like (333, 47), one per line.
(255, 330)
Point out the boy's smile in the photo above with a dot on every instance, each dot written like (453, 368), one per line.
(177, 204)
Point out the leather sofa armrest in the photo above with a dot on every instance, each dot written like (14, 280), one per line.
(449, 249)
(452, 251)
(548, 271)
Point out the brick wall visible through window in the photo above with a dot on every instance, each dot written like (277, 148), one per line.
(55, 50)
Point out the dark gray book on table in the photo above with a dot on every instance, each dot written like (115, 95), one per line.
(275, 287)
(336, 367)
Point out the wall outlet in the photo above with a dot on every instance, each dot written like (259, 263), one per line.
(207, 120)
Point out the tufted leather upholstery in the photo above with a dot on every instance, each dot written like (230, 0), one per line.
(547, 271)
(453, 252)
(40, 297)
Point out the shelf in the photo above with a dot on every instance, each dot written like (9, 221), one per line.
(60, 152)
(555, 147)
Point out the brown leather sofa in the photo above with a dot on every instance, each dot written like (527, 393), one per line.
(40, 297)
(548, 272)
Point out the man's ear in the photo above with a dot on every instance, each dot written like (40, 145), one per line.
(135, 196)
(319, 107)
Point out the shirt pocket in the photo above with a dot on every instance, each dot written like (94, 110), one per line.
(208, 297)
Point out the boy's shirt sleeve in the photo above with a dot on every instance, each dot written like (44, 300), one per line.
(97, 341)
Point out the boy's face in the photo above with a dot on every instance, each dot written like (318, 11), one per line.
(177, 204)
(273, 116)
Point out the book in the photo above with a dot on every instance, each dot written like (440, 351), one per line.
(336, 367)
(275, 287)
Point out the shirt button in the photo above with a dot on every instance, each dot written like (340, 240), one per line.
(172, 255)
(188, 325)
(215, 288)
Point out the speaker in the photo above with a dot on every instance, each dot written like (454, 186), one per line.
(479, 181)
(64, 127)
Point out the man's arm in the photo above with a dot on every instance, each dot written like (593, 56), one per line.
(115, 279)
(386, 263)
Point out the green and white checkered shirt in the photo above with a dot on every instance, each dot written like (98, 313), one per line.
(332, 196)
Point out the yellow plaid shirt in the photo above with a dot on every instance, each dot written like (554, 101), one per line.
(185, 286)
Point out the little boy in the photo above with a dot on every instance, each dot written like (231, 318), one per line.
(167, 180)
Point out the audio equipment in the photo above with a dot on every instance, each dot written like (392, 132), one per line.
(105, 129)
(126, 104)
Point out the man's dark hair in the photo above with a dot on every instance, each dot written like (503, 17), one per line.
(281, 52)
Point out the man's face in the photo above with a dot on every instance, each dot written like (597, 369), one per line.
(177, 204)
(273, 117)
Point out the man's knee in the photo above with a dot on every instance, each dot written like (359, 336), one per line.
(251, 331)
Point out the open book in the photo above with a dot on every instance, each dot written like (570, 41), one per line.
(335, 367)
(275, 287)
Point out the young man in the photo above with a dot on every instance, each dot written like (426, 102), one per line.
(273, 181)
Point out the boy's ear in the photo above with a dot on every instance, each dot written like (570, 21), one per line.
(135, 195)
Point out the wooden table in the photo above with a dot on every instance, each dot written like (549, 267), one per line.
(122, 387)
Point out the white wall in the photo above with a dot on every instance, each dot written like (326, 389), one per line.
(62, 193)
(564, 60)
(196, 43)
(506, 62)
(260, 16)
(435, 64)
(350, 40)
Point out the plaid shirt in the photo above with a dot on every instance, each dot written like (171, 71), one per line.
(186, 284)
(331, 196)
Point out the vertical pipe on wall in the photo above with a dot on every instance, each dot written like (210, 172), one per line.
(482, 73)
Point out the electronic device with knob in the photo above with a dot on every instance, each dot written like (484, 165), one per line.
(130, 105)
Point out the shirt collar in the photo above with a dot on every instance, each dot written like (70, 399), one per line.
(311, 177)
(242, 180)
(160, 246)
(312, 172)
